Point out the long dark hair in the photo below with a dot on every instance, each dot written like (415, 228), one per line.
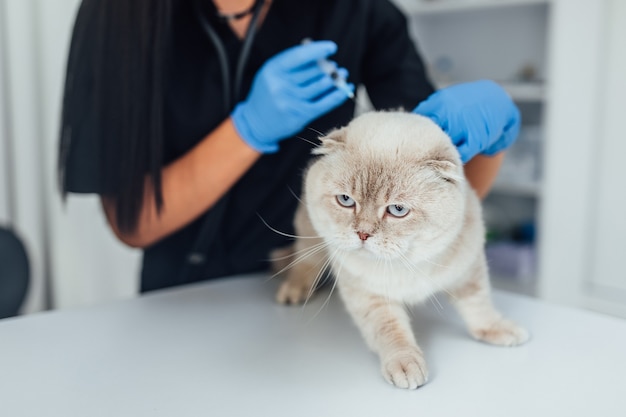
(119, 53)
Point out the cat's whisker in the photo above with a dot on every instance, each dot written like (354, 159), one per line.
(406, 306)
(316, 131)
(309, 252)
(295, 253)
(409, 310)
(325, 303)
(286, 234)
(317, 279)
(407, 264)
(323, 271)
(307, 141)
(377, 267)
(294, 194)
(437, 306)
(412, 268)
(435, 263)
(386, 278)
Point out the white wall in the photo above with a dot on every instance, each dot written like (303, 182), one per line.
(70, 246)
(22, 113)
(583, 223)
(609, 201)
(4, 141)
(89, 265)
(607, 276)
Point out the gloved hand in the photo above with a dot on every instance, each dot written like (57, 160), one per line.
(479, 116)
(289, 91)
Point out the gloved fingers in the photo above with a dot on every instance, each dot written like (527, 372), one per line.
(511, 130)
(327, 102)
(343, 73)
(432, 109)
(306, 74)
(465, 151)
(313, 72)
(314, 89)
(425, 108)
(301, 55)
(504, 141)
(509, 133)
(515, 121)
(320, 86)
(468, 135)
(498, 146)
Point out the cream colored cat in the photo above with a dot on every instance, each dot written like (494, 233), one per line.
(398, 223)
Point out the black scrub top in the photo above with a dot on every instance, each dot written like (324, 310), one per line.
(373, 44)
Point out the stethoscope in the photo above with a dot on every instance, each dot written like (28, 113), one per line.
(196, 258)
(230, 96)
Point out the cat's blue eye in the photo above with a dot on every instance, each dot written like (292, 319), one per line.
(345, 200)
(397, 210)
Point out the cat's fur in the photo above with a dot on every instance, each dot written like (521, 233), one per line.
(382, 262)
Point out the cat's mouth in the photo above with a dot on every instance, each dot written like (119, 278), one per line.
(359, 247)
(368, 248)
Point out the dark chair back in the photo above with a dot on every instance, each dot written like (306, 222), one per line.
(14, 273)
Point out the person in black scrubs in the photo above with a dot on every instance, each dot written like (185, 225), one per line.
(194, 119)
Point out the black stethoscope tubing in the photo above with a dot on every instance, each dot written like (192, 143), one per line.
(208, 228)
(230, 95)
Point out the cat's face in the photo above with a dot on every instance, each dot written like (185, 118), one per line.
(387, 185)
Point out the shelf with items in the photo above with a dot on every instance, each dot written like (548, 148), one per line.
(520, 91)
(507, 45)
(432, 7)
(525, 91)
(511, 247)
(520, 173)
(531, 189)
(499, 42)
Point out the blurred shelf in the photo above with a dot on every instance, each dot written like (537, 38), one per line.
(525, 92)
(519, 91)
(520, 189)
(526, 285)
(429, 7)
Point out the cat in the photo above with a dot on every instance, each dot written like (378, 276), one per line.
(387, 206)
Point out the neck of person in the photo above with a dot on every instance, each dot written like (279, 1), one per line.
(239, 25)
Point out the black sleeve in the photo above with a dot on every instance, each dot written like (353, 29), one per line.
(79, 156)
(394, 73)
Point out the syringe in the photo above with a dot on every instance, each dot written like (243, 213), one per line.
(328, 68)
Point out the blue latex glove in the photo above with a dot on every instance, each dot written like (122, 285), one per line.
(479, 116)
(289, 91)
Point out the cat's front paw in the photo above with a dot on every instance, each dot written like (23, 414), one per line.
(293, 291)
(502, 333)
(405, 369)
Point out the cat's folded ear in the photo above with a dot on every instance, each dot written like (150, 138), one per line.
(332, 141)
(446, 170)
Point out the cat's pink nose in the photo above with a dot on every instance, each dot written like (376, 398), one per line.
(363, 236)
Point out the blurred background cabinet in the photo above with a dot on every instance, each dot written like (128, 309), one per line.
(552, 216)
(506, 41)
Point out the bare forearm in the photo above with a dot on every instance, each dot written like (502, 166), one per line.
(481, 172)
(190, 186)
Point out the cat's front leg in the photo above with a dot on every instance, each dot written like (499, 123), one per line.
(472, 299)
(385, 325)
